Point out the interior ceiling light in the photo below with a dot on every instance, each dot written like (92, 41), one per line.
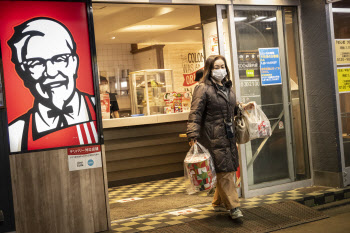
(147, 28)
(268, 28)
(239, 19)
(113, 37)
(341, 10)
(269, 19)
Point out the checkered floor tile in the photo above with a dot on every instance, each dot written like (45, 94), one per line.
(307, 196)
(147, 190)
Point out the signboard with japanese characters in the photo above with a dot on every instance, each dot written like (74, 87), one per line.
(270, 68)
(342, 50)
(248, 64)
(85, 157)
(344, 79)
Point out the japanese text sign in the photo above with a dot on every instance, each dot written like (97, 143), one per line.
(270, 68)
(342, 50)
(344, 79)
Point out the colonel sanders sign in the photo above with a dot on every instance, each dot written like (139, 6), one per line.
(45, 57)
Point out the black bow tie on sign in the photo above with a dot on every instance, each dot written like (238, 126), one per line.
(57, 112)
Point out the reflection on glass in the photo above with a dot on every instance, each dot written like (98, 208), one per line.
(341, 18)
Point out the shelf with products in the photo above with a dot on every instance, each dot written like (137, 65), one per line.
(147, 89)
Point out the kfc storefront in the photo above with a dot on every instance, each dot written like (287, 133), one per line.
(94, 94)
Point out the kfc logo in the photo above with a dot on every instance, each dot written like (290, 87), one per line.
(45, 57)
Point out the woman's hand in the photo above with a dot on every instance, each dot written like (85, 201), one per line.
(192, 142)
(248, 106)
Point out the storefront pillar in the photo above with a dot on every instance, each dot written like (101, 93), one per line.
(7, 220)
(320, 91)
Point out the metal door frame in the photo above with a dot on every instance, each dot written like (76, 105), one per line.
(279, 185)
(345, 170)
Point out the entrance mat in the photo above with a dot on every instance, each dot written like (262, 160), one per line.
(265, 218)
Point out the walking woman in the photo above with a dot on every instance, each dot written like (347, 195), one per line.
(210, 123)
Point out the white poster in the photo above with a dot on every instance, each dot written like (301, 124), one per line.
(85, 157)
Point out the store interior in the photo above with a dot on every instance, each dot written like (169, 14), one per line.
(163, 46)
(164, 40)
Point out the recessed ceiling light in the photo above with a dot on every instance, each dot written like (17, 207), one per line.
(148, 28)
(112, 38)
(268, 28)
(197, 27)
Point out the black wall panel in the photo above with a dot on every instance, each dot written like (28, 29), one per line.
(6, 203)
(320, 89)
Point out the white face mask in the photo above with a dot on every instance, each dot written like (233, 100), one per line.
(219, 74)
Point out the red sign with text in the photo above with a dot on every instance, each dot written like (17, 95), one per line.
(189, 79)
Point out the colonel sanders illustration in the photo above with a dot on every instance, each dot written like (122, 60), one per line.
(45, 58)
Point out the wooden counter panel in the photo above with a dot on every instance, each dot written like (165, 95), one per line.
(151, 161)
(150, 140)
(50, 198)
(147, 171)
(141, 152)
(145, 151)
(145, 130)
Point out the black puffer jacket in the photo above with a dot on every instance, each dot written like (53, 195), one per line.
(209, 108)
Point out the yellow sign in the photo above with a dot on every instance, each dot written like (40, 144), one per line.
(344, 79)
(342, 50)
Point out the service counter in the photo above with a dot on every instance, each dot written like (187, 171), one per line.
(145, 148)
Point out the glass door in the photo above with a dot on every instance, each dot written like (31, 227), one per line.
(268, 72)
(341, 17)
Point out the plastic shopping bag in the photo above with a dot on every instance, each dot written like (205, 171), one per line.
(199, 170)
(258, 124)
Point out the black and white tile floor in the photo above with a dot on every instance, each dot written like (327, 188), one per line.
(308, 196)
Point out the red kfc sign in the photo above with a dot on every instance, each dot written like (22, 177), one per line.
(48, 76)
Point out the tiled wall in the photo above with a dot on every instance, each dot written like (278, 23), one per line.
(113, 58)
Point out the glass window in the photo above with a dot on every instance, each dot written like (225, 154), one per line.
(147, 57)
(341, 16)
